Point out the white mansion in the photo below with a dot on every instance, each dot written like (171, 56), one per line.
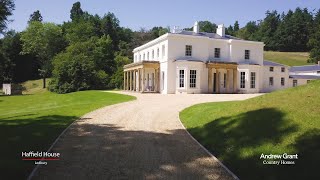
(200, 62)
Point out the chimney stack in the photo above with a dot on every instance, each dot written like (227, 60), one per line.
(221, 30)
(196, 27)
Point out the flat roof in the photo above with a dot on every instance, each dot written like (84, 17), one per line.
(305, 68)
(304, 77)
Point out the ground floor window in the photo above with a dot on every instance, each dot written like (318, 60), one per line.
(181, 78)
(282, 81)
(193, 78)
(270, 81)
(242, 80)
(295, 83)
(253, 80)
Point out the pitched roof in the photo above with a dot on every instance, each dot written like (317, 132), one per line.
(305, 68)
(304, 77)
(271, 63)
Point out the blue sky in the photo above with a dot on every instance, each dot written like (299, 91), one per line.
(149, 13)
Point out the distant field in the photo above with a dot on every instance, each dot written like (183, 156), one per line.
(32, 122)
(288, 58)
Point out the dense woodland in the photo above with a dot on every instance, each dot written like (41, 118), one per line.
(89, 51)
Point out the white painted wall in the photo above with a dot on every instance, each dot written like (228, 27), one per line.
(238, 48)
(201, 77)
(277, 75)
(248, 69)
(6, 88)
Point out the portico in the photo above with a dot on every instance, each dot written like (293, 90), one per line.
(142, 76)
(222, 77)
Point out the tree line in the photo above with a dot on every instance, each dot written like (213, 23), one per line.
(89, 51)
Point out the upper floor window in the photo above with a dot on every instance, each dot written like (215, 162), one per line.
(270, 81)
(158, 53)
(140, 57)
(148, 56)
(216, 52)
(246, 54)
(135, 57)
(152, 54)
(318, 72)
(283, 69)
(188, 50)
(144, 56)
(163, 50)
(193, 78)
(271, 69)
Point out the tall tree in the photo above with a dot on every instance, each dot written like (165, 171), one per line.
(314, 41)
(230, 31)
(267, 30)
(248, 32)
(236, 27)
(44, 40)
(35, 16)
(110, 26)
(76, 11)
(6, 8)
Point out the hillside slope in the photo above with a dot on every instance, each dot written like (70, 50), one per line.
(288, 58)
(286, 121)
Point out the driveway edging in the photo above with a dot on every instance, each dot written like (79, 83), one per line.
(208, 152)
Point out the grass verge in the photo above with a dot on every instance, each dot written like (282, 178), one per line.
(286, 121)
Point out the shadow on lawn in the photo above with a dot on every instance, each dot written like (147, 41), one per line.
(232, 138)
(22, 134)
(104, 151)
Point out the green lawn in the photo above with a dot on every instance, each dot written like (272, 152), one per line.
(288, 58)
(286, 121)
(32, 122)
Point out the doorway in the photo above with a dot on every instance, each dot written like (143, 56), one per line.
(214, 82)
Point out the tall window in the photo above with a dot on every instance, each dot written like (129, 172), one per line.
(283, 69)
(158, 52)
(271, 69)
(242, 80)
(216, 52)
(270, 81)
(144, 56)
(163, 50)
(253, 80)
(224, 80)
(295, 83)
(135, 57)
(148, 56)
(246, 54)
(193, 78)
(152, 54)
(188, 50)
(282, 81)
(181, 78)
(140, 57)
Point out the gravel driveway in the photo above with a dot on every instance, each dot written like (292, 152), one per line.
(141, 139)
